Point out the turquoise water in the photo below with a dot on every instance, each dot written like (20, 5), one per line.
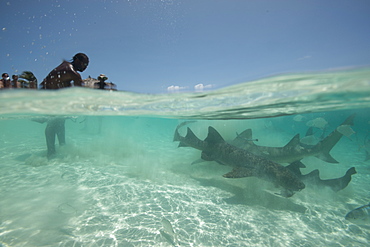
(121, 173)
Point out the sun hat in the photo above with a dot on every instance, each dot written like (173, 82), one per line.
(104, 77)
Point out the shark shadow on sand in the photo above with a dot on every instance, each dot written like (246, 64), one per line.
(310, 179)
(313, 178)
(260, 198)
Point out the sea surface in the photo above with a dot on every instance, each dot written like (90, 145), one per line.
(121, 177)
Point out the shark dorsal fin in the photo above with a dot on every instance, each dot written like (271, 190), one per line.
(246, 134)
(349, 120)
(309, 131)
(295, 167)
(213, 136)
(315, 175)
(190, 134)
(293, 142)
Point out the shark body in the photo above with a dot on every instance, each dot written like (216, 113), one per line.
(215, 148)
(294, 150)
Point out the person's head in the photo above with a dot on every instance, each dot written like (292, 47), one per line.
(14, 77)
(80, 61)
(5, 76)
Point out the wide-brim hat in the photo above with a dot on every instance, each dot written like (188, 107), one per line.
(103, 76)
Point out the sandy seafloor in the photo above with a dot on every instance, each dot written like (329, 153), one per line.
(117, 177)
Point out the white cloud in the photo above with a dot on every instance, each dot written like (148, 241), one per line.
(173, 88)
(200, 87)
(304, 58)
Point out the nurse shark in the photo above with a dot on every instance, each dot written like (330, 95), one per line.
(215, 148)
(294, 150)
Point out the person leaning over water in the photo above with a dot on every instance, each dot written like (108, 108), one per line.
(61, 77)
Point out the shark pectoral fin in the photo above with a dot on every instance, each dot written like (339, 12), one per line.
(198, 161)
(182, 144)
(239, 172)
(286, 193)
(206, 156)
(325, 156)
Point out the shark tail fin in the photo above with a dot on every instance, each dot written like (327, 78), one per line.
(326, 145)
(351, 171)
(190, 136)
(325, 156)
(213, 136)
(329, 142)
(177, 137)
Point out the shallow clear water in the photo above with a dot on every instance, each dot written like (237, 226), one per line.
(121, 173)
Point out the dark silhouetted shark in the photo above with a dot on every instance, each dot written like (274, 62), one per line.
(294, 150)
(215, 148)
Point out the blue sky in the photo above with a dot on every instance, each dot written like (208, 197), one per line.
(153, 46)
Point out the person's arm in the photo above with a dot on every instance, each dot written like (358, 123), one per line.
(77, 80)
